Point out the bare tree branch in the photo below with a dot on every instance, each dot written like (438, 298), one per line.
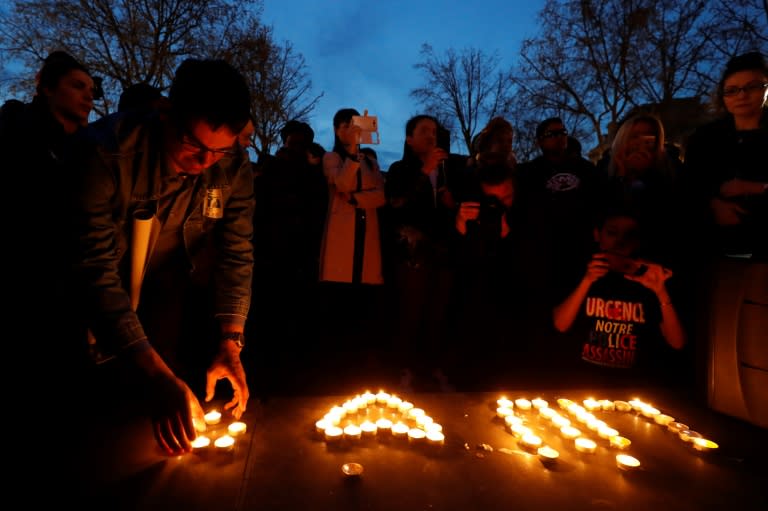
(463, 90)
(133, 41)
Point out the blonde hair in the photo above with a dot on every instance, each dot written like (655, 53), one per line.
(620, 141)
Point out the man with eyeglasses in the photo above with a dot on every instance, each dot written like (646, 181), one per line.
(186, 176)
(558, 194)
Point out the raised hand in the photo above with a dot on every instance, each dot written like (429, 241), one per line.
(654, 278)
(227, 365)
(596, 268)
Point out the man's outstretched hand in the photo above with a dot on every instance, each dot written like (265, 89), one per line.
(227, 365)
(175, 410)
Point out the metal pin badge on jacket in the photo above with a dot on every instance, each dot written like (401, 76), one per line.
(213, 206)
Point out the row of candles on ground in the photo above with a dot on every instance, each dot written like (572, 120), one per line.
(646, 410)
(379, 415)
(225, 442)
(528, 440)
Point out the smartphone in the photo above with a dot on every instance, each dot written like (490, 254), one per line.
(366, 122)
(369, 128)
(625, 265)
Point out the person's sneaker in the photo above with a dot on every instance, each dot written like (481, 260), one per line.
(405, 384)
(442, 381)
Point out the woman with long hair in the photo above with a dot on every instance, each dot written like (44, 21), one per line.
(727, 161)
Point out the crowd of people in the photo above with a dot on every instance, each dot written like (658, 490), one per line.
(180, 264)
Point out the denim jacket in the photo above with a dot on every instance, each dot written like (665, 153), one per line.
(123, 172)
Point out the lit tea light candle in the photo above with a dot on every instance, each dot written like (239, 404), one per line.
(518, 430)
(382, 397)
(405, 407)
(360, 403)
(352, 432)
(350, 407)
(394, 402)
(321, 425)
(576, 409)
(504, 403)
(368, 429)
(570, 432)
(339, 411)
(637, 405)
(415, 413)
(400, 430)
(370, 397)
(650, 412)
(212, 417)
(511, 420)
(560, 422)
(687, 435)
(585, 445)
(236, 428)
(591, 404)
(704, 445)
(504, 411)
(434, 426)
(626, 462)
(547, 454)
(224, 443)
(416, 435)
(594, 424)
(435, 438)
(547, 413)
(333, 433)
(424, 420)
(200, 443)
(384, 425)
(676, 427)
(523, 404)
(539, 403)
(622, 406)
(585, 416)
(606, 432)
(564, 403)
(663, 419)
(607, 405)
(619, 442)
(333, 419)
(530, 441)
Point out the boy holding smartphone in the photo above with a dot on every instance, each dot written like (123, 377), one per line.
(621, 304)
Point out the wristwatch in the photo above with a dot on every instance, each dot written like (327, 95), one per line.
(236, 337)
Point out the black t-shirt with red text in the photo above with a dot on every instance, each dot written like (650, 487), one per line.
(621, 319)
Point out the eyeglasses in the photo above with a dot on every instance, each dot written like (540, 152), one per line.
(554, 133)
(748, 89)
(191, 143)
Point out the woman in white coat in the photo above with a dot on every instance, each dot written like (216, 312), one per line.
(350, 258)
(351, 249)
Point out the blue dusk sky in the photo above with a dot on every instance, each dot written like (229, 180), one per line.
(361, 54)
